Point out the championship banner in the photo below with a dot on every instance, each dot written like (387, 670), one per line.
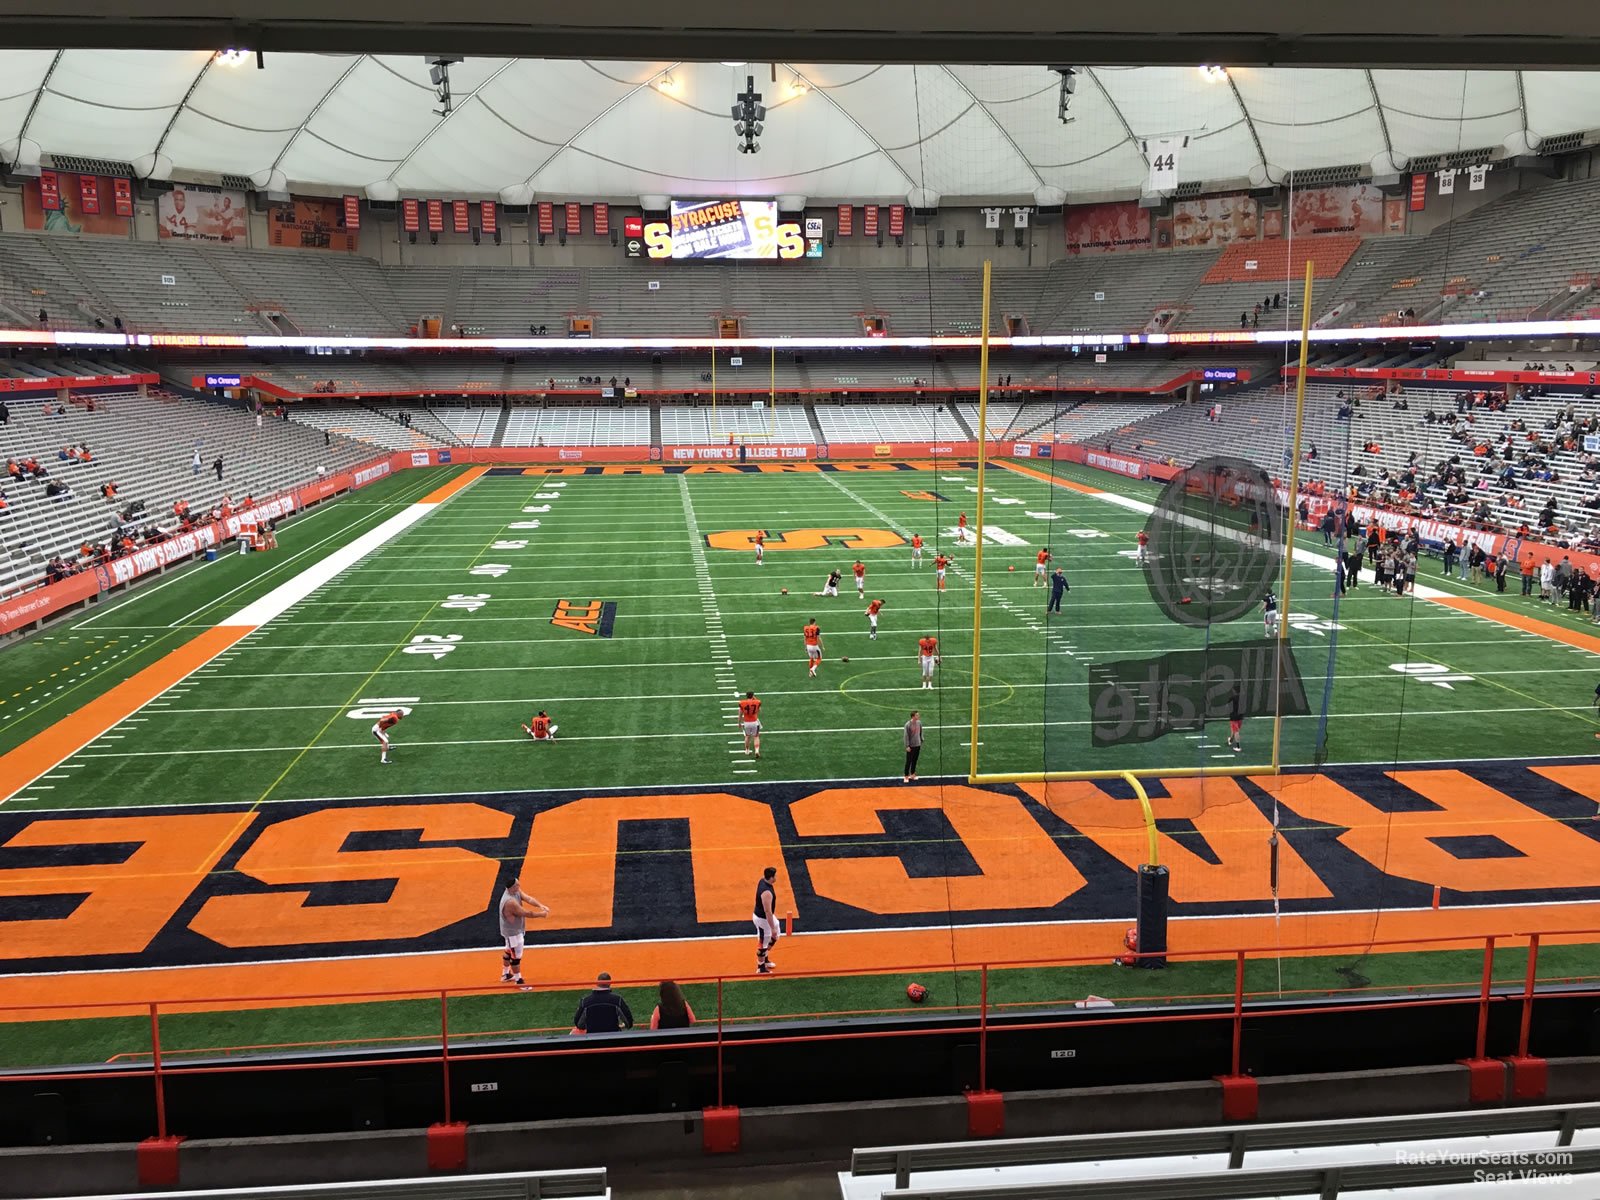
(487, 216)
(458, 215)
(574, 218)
(547, 218)
(1419, 192)
(309, 223)
(409, 219)
(602, 220)
(869, 220)
(352, 213)
(1107, 228)
(897, 220)
(122, 197)
(846, 217)
(435, 216)
(89, 195)
(50, 191)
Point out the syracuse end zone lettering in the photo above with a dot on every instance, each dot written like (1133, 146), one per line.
(198, 887)
(593, 617)
(848, 537)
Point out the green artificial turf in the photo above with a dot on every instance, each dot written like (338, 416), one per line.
(648, 706)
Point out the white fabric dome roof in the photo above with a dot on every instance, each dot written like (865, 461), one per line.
(595, 129)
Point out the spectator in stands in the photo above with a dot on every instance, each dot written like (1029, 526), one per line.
(602, 1010)
(108, 489)
(1244, 320)
(5, 414)
(194, 462)
(217, 467)
(673, 1012)
(58, 490)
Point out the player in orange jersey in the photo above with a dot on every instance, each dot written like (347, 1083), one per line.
(940, 562)
(381, 731)
(760, 544)
(961, 529)
(813, 635)
(1144, 540)
(860, 570)
(750, 720)
(916, 550)
(541, 729)
(872, 618)
(928, 654)
(1040, 561)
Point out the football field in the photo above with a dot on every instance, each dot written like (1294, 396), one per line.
(190, 769)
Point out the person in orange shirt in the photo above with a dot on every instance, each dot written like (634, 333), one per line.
(760, 544)
(541, 729)
(1143, 540)
(928, 654)
(940, 562)
(916, 550)
(1527, 574)
(860, 570)
(750, 719)
(872, 618)
(813, 635)
(1039, 561)
(961, 529)
(381, 731)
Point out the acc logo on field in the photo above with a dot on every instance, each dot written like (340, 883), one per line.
(806, 539)
(591, 617)
(1216, 542)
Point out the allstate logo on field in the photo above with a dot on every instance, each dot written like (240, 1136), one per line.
(1216, 542)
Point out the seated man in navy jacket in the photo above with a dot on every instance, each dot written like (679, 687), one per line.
(602, 1010)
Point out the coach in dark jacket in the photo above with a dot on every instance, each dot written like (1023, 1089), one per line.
(602, 1010)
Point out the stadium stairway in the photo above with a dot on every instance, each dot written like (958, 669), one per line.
(497, 438)
(816, 425)
(655, 426)
(966, 429)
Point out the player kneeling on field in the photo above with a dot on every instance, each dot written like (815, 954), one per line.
(541, 730)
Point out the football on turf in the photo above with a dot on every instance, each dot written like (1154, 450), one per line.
(916, 993)
(785, 591)
(844, 658)
(1011, 568)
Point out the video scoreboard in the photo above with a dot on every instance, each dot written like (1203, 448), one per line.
(736, 229)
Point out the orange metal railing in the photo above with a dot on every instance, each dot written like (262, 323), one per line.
(160, 1070)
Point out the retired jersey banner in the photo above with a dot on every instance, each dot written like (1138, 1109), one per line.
(486, 213)
(122, 197)
(897, 220)
(869, 220)
(352, 212)
(574, 219)
(89, 195)
(309, 223)
(602, 220)
(410, 219)
(50, 191)
(435, 216)
(1447, 181)
(547, 218)
(458, 216)
(846, 217)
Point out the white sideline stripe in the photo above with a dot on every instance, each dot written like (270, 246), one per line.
(276, 602)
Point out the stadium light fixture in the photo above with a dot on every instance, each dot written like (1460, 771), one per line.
(232, 57)
(1212, 73)
(439, 75)
(1069, 89)
(667, 85)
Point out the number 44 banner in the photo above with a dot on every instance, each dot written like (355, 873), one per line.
(1163, 155)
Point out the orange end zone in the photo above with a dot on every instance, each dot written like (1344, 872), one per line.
(445, 490)
(41, 752)
(1063, 483)
(1501, 616)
